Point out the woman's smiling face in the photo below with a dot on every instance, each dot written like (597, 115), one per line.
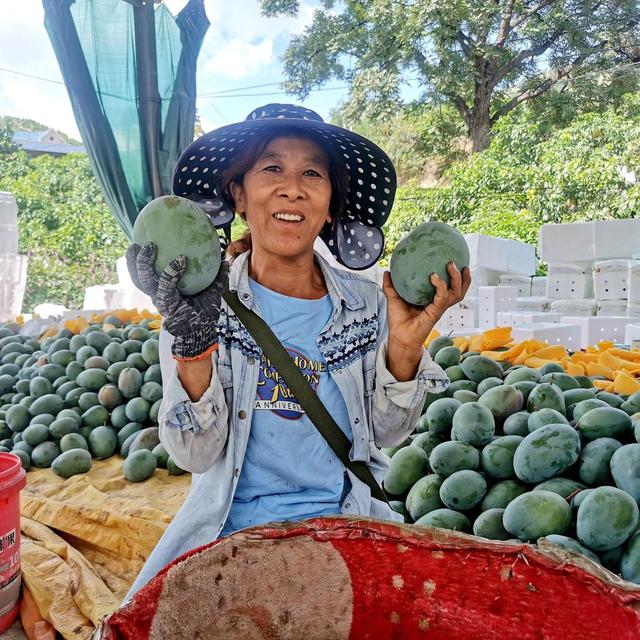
(285, 196)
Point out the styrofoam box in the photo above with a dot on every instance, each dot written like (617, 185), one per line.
(8, 211)
(491, 300)
(519, 318)
(500, 254)
(568, 335)
(567, 282)
(594, 329)
(612, 308)
(538, 286)
(631, 333)
(8, 241)
(633, 310)
(586, 307)
(610, 279)
(456, 319)
(566, 242)
(616, 238)
(522, 282)
(538, 304)
(633, 282)
(503, 319)
(13, 282)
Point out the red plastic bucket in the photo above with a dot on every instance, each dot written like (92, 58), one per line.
(12, 480)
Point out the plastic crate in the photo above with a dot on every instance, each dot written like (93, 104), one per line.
(568, 335)
(596, 328)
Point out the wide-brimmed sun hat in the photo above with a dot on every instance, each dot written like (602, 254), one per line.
(355, 238)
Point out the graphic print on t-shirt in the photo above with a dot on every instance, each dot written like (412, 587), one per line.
(274, 394)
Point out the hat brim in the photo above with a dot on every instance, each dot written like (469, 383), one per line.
(355, 239)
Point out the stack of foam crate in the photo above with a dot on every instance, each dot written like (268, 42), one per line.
(590, 266)
(13, 266)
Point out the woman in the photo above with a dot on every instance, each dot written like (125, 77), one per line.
(226, 416)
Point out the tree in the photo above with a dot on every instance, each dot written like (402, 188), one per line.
(64, 225)
(483, 58)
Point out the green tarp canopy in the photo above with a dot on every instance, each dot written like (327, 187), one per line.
(130, 70)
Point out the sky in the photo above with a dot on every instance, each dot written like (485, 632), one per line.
(241, 49)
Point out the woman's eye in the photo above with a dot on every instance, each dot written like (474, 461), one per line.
(313, 171)
(271, 167)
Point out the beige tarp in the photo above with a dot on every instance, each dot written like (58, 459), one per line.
(85, 539)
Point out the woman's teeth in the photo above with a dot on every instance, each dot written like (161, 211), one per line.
(291, 217)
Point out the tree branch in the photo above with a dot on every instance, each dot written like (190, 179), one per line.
(517, 60)
(532, 12)
(545, 85)
(461, 106)
(505, 25)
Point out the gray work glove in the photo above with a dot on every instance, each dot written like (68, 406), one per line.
(191, 320)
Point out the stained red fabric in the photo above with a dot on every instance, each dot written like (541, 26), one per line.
(415, 582)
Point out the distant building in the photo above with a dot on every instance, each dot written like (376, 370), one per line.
(49, 141)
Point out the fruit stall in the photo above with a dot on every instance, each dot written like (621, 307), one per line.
(518, 488)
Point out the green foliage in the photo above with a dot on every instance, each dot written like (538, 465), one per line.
(483, 58)
(65, 228)
(532, 174)
(416, 140)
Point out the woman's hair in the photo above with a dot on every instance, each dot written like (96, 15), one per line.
(246, 158)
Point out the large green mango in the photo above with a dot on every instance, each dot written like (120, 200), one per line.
(625, 469)
(546, 452)
(606, 519)
(407, 466)
(178, 226)
(425, 250)
(536, 514)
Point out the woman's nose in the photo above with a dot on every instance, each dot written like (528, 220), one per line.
(291, 187)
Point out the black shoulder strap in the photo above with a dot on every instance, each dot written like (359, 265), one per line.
(307, 398)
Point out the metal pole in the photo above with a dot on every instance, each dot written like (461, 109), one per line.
(149, 104)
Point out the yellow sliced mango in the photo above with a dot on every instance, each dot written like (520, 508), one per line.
(609, 360)
(574, 368)
(552, 352)
(625, 355)
(585, 358)
(536, 362)
(603, 385)
(624, 384)
(596, 369)
(475, 342)
(604, 345)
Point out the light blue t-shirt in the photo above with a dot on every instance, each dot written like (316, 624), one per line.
(289, 470)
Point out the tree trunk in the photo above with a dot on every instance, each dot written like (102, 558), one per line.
(479, 124)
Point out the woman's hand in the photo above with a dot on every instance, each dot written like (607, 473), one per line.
(190, 320)
(409, 325)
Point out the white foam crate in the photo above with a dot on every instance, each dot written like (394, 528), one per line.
(455, 319)
(539, 286)
(612, 308)
(586, 307)
(501, 255)
(568, 335)
(566, 242)
(534, 304)
(13, 281)
(492, 300)
(633, 282)
(596, 328)
(633, 310)
(569, 283)
(519, 318)
(631, 333)
(616, 238)
(523, 283)
(610, 280)
(504, 319)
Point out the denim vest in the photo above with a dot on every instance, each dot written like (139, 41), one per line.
(209, 437)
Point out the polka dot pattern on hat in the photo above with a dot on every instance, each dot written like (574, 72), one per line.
(355, 239)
